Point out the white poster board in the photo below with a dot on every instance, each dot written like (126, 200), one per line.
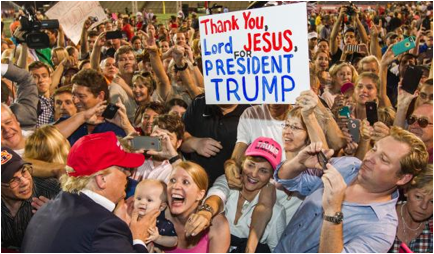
(72, 14)
(255, 56)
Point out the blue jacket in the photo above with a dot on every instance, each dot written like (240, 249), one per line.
(75, 223)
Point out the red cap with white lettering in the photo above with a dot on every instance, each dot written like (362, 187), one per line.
(267, 148)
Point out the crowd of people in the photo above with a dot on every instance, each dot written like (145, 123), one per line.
(347, 168)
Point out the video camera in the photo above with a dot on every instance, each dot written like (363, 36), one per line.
(34, 37)
(351, 9)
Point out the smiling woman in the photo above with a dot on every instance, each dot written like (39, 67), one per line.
(186, 189)
(262, 157)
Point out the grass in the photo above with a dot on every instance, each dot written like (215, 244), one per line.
(162, 18)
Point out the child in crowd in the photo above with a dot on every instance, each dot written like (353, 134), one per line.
(150, 195)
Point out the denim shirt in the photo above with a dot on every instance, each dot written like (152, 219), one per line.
(366, 227)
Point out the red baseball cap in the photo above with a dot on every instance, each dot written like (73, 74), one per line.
(96, 152)
(267, 148)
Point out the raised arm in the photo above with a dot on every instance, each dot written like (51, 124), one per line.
(360, 27)
(305, 159)
(182, 66)
(375, 48)
(334, 136)
(26, 104)
(95, 56)
(60, 37)
(387, 59)
(91, 116)
(84, 47)
(308, 101)
(335, 31)
(164, 87)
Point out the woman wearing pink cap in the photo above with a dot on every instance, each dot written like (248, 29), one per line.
(261, 158)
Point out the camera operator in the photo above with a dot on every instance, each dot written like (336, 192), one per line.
(349, 36)
(42, 40)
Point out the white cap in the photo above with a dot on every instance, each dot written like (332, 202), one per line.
(312, 35)
(139, 14)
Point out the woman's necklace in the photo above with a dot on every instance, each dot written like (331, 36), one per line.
(405, 224)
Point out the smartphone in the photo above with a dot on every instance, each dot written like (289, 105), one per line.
(411, 79)
(403, 46)
(371, 112)
(353, 48)
(354, 129)
(345, 111)
(322, 159)
(113, 35)
(110, 111)
(362, 48)
(146, 143)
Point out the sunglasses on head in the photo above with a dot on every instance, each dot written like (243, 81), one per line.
(422, 121)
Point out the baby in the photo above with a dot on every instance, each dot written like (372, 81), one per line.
(150, 195)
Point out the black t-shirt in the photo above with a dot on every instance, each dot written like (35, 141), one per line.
(207, 121)
(350, 58)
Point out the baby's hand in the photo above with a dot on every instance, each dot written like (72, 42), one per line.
(153, 235)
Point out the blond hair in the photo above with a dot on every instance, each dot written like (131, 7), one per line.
(197, 173)
(386, 115)
(368, 59)
(335, 68)
(423, 180)
(75, 185)
(416, 159)
(47, 144)
(61, 53)
(372, 76)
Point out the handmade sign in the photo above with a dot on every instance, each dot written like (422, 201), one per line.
(72, 14)
(255, 56)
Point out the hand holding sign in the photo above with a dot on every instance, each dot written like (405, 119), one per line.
(250, 57)
(178, 54)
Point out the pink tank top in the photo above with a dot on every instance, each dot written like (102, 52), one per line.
(201, 247)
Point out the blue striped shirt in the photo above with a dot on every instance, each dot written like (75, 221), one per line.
(366, 227)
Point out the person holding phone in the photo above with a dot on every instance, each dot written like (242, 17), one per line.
(157, 167)
(360, 194)
(348, 54)
(90, 91)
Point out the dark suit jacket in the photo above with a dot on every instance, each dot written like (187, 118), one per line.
(75, 223)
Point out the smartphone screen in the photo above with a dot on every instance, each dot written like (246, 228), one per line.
(354, 129)
(345, 112)
(110, 111)
(403, 46)
(371, 112)
(113, 35)
(146, 143)
(411, 79)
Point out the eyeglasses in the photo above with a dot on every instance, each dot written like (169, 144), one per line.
(26, 172)
(422, 121)
(293, 128)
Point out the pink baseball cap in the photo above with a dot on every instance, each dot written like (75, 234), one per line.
(267, 148)
(346, 87)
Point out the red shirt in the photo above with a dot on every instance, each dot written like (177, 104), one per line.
(129, 31)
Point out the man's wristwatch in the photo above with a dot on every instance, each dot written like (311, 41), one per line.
(336, 219)
(183, 68)
(206, 207)
(174, 159)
